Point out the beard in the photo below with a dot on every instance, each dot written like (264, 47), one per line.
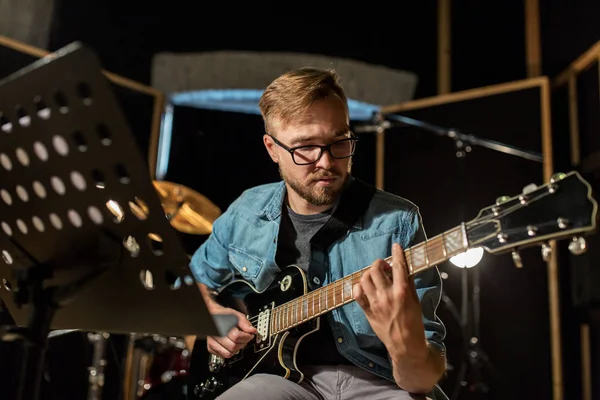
(317, 195)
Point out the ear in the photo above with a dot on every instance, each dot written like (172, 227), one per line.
(270, 146)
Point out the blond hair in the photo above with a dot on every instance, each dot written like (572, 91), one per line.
(288, 97)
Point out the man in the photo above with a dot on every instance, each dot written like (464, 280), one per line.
(386, 345)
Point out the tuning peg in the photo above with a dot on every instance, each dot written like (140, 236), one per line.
(529, 188)
(578, 245)
(546, 252)
(557, 177)
(502, 199)
(517, 259)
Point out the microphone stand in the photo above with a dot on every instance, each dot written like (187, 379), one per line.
(474, 358)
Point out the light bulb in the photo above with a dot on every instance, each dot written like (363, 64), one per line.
(468, 259)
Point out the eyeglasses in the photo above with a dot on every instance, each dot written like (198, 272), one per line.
(304, 155)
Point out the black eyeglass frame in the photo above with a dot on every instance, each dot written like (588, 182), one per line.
(323, 148)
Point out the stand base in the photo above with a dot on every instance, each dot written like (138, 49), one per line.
(471, 383)
(35, 337)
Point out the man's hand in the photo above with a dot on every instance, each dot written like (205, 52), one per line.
(392, 306)
(236, 339)
(394, 312)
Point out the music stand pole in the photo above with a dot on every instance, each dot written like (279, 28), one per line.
(35, 337)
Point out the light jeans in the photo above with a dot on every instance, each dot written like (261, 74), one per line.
(342, 382)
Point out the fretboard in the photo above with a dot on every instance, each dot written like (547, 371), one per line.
(336, 294)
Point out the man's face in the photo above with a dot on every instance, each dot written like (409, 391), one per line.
(318, 183)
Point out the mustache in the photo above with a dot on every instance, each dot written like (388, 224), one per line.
(325, 175)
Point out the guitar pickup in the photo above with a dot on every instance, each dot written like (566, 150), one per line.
(263, 338)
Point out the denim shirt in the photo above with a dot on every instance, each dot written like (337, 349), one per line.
(243, 245)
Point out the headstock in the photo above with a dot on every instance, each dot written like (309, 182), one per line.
(562, 208)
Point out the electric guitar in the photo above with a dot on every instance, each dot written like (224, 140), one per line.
(286, 312)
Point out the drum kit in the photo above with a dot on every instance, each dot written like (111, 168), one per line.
(155, 366)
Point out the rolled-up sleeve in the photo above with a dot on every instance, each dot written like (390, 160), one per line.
(428, 284)
(210, 264)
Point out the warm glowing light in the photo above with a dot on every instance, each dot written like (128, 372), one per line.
(468, 259)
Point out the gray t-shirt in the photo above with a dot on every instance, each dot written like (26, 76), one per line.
(295, 233)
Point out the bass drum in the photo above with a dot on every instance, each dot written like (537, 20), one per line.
(164, 365)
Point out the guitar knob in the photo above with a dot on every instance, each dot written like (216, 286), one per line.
(578, 245)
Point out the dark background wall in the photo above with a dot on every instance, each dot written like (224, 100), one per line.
(488, 47)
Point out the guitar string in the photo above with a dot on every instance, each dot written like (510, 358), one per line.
(335, 290)
(355, 277)
(331, 291)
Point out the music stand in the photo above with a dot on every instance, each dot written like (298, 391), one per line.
(85, 243)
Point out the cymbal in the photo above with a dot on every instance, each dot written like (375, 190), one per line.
(187, 210)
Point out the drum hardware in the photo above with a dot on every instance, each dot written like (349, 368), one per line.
(60, 332)
(153, 361)
(187, 210)
(96, 371)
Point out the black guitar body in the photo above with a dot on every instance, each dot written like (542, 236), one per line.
(209, 376)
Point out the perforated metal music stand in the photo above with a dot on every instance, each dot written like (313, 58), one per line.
(84, 240)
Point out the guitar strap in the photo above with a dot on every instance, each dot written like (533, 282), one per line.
(354, 201)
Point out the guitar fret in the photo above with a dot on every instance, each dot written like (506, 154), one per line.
(287, 315)
(334, 302)
(418, 257)
(444, 250)
(304, 309)
(319, 303)
(294, 312)
(436, 250)
(454, 241)
(347, 288)
(435, 255)
(334, 290)
(295, 315)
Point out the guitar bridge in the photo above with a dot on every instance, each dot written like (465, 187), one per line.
(263, 338)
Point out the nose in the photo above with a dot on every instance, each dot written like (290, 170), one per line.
(326, 161)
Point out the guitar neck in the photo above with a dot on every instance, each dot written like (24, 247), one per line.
(336, 294)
